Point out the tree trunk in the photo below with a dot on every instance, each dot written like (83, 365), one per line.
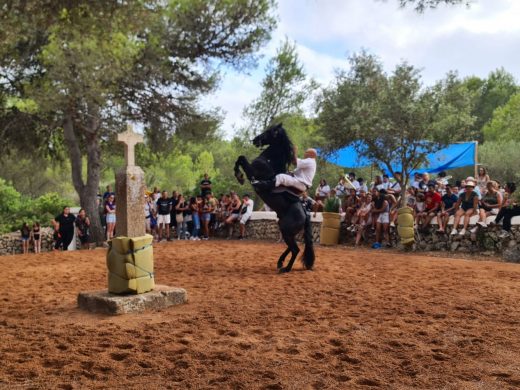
(87, 192)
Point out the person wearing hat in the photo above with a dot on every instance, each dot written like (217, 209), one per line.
(466, 207)
(476, 189)
(247, 211)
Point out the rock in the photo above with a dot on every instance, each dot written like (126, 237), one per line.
(511, 244)
(512, 255)
(454, 245)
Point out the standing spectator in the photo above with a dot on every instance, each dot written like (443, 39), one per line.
(307, 201)
(386, 183)
(205, 216)
(173, 219)
(194, 208)
(323, 190)
(381, 213)
(164, 208)
(364, 217)
(110, 213)
(490, 203)
(83, 228)
(350, 206)
(101, 212)
(466, 207)
(37, 237)
(149, 211)
(108, 192)
(395, 188)
(482, 180)
(180, 210)
(449, 200)
(205, 186)
(26, 235)
(64, 226)
(213, 207)
(510, 209)
(247, 211)
(416, 180)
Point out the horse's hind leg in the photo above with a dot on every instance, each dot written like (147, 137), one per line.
(290, 240)
(282, 258)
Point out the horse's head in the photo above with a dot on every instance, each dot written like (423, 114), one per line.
(270, 136)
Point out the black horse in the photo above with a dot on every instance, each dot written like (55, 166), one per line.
(292, 217)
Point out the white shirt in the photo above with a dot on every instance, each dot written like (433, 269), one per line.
(249, 204)
(305, 171)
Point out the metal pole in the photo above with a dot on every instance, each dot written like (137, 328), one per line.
(476, 160)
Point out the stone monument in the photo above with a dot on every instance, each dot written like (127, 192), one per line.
(126, 274)
(130, 189)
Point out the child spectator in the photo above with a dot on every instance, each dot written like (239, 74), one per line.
(381, 213)
(37, 237)
(419, 207)
(449, 200)
(26, 235)
(110, 212)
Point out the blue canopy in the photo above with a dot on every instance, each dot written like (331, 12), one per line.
(453, 156)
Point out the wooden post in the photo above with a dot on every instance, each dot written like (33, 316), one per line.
(476, 160)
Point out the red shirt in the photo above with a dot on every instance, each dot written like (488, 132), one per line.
(432, 200)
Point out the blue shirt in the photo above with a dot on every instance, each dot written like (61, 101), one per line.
(449, 200)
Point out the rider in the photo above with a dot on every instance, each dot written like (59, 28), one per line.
(300, 179)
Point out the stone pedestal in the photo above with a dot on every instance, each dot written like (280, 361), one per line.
(105, 303)
(130, 187)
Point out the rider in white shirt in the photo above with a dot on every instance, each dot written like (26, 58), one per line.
(302, 177)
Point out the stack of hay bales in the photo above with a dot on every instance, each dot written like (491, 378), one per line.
(130, 265)
(405, 226)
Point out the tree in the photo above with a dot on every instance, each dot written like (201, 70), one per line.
(391, 119)
(505, 123)
(284, 90)
(88, 66)
(422, 5)
(499, 159)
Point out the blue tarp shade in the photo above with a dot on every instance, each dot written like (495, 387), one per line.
(453, 156)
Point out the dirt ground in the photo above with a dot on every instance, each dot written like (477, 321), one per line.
(362, 319)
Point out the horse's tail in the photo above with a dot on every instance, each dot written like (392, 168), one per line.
(308, 253)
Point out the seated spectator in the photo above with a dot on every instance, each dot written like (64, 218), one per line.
(395, 188)
(381, 214)
(482, 180)
(449, 200)
(489, 204)
(247, 212)
(463, 186)
(423, 184)
(416, 180)
(323, 190)
(341, 189)
(466, 206)
(419, 207)
(355, 183)
(362, 186)
(510, 208)
(378, 183)
(350, 205)
(234, 213)
(432, 202)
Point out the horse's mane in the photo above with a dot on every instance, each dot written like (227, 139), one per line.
(285, 144)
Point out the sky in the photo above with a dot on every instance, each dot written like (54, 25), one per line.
(472, 41)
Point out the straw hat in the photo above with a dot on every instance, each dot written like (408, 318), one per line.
(470, 183)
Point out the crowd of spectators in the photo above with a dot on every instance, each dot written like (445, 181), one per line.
(372, 210)
(196, 217)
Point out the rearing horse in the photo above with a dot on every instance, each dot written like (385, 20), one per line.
(292, 217)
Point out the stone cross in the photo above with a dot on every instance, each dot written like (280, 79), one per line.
(130, 139)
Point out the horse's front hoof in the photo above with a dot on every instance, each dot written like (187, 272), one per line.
(283, 270)
(279, 265)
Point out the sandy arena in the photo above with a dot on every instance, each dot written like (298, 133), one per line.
(363, 319)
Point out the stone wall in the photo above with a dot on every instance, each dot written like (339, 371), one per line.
(264, 226)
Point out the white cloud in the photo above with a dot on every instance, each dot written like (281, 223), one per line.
(473, 41)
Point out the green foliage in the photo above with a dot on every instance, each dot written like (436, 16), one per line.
(391, 119)
(332, 205)
(16, 209)
(505, 123)
(284, 90)
(501, 159)
(422, 5)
